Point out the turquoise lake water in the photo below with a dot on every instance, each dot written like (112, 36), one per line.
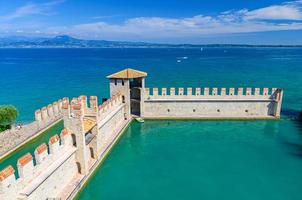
(174, 159)
(203, 160)
(30, 147)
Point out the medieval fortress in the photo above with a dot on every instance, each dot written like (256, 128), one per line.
(60, 168)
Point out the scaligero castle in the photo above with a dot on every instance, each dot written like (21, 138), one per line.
(60, 168)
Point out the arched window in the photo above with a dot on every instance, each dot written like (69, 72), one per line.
(123, 98)
(123, 82)
(74, 141)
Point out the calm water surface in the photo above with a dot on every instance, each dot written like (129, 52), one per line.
(174, 159)
(203, 160)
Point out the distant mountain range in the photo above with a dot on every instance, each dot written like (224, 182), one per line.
(65, 41)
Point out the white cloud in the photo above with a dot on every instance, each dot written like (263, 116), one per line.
(283, 12)
(31, 9)
(241, 21)
(105, 16)
(286, 16)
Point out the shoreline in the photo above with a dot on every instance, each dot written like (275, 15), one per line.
(160, 47)
(16, 148)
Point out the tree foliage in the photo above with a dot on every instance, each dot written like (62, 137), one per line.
(8, 116)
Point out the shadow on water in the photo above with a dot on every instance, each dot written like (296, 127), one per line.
(292, 114)
(294, 145)
(295, 149)
(295, 116)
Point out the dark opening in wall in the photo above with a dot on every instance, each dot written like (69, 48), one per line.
(74, 141)
(194, 110)
(168, 110)
(218, 110)
(79, 167)
(246, 111)
(123, 99)
(91, 152)
(123, 82)
(115, 82)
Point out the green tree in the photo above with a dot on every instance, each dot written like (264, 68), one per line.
(8, 116)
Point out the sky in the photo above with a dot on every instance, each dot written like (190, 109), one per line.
(160, 21)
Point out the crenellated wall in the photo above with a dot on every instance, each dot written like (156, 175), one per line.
(49, 113)
(74, 113)
(60, 168)
(111, 118)
(209, 93)
(94, 130)
(212, 103)
(40, 177)
(90, 131)
(90, 109)
(109, 106)
(44, 118)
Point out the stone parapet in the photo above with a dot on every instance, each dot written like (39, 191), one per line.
(30, 173)
(212, 103)
(212, 93)
(78, 107)
(50, 112)
(44, 118)
(109, 105)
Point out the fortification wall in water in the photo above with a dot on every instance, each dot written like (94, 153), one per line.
(44, 118)
(217, 103)
(59, 169)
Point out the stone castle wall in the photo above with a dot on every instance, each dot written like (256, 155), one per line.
(44, 118)
(212, 103)
(111, 117)
(109, 121)
(40, 176)
(58, 169)
(50, 113)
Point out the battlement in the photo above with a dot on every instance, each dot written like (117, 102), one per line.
(78, 107)
(49, 112)
(59, 165)
(211, 93)
(219, 103)
(108, 106)
(27, 170)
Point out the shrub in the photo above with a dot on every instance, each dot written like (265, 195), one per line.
(8, 116)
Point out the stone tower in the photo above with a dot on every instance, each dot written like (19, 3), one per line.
(130, 84)
(73, 115)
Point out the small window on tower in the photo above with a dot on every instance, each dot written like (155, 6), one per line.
(123, 82)
(115, 82)
(123, 97)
